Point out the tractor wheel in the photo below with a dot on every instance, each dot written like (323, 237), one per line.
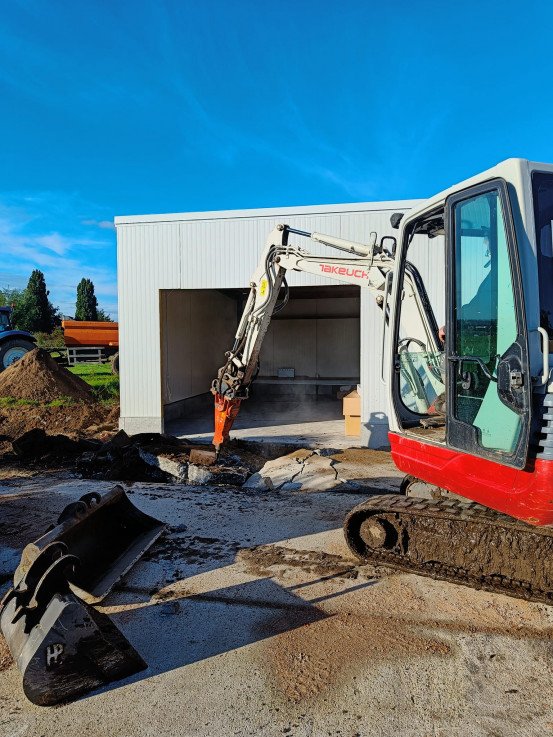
(12, 350)
(115, 364)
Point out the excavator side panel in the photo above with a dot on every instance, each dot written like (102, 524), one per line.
(526, 494)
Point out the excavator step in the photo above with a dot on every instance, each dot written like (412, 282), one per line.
(455, 541)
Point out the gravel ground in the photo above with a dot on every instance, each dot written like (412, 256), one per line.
(254, 620)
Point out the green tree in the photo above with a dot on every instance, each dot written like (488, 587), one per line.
(10, 297)
(34, 312)
(104, 316)
(87, 304)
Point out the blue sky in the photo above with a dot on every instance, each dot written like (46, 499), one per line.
(113, 108)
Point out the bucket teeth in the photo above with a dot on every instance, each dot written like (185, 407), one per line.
(106, 532)
(62, 645)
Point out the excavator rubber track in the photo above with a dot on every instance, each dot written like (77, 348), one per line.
(452, 540)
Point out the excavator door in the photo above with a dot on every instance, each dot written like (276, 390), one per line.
(488, 376)
(460, 380)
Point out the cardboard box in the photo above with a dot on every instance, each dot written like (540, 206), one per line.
(353, 425)
(351, 403)
(351, 407)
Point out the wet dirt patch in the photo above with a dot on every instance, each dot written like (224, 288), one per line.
(310, 659)
(263, 559)
(451, 608)
(26, 518)
(367, 456)
(195, 549)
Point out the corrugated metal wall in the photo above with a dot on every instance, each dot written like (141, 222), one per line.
(218, 252)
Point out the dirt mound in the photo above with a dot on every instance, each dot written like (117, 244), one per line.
(83, 419)
(38, 377)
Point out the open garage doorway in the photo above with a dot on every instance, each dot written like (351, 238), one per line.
(309, 359)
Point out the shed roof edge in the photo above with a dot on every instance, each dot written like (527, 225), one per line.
(267, 212)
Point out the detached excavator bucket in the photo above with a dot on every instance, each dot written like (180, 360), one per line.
(106, 532)
(62, 646)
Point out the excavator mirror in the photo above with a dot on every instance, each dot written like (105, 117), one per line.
(391, 248)
(396, 219)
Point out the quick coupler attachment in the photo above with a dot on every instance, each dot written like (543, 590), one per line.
(62, 646)
(106, 532)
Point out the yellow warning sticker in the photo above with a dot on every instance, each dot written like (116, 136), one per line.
(263, 287)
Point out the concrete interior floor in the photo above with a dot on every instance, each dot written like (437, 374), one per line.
(302, 421)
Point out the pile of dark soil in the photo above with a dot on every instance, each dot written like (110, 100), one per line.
(155, 457)
(39, 378)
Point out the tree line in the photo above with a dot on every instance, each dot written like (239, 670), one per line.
(33, 311)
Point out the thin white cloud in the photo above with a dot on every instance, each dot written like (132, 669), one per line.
(104, 224)
(54, 242)
(64, 257)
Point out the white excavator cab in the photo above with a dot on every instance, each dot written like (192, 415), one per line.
(496, 301)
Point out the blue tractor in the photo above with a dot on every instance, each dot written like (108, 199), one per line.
(13, 343)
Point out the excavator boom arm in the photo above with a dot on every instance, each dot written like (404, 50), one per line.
(367, 267)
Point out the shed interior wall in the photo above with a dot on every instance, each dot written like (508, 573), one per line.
(196, 327)
(318, 338)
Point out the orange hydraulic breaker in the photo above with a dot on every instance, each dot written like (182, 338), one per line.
(226, 411)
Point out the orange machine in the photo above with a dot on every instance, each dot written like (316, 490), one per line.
(89, 333)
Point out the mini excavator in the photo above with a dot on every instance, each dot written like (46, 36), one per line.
(467, 370)
(470, 406)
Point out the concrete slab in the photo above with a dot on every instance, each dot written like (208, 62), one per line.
(369, 470)
(305, 423)
(165, 463)
(344, 470)
(255, 620)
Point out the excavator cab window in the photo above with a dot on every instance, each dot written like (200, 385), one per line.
(480, 255)
(487, 394)
(467, 385)
(542, 188)
(419, 349)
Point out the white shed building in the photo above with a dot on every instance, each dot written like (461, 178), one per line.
(182, 282)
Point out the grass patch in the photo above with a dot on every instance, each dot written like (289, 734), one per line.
(105, 385)
(61, 402)
(94, 373)
(13, 402)
(106, 394)
(8, 402)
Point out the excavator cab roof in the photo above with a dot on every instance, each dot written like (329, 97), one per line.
(512, 170)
